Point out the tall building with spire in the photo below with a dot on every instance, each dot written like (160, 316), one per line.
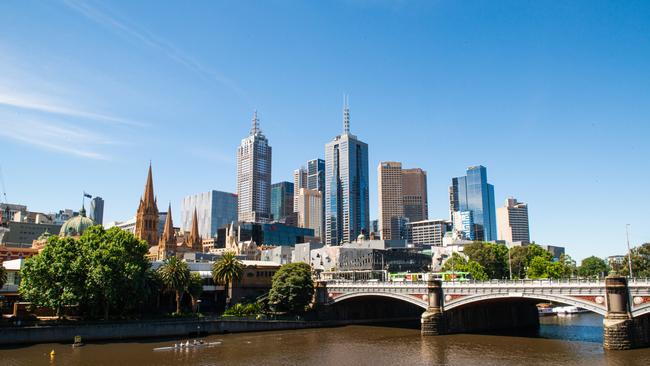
(194, 241)
(346, 186)
(167, 244)
(146, 219)
(254, 176)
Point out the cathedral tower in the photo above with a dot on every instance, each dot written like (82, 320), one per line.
(146, 219)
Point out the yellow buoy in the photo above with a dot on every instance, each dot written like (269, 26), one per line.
(52, 354)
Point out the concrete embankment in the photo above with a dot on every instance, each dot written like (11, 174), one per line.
(91, 332)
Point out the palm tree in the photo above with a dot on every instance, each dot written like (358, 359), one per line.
(195, 288)
(175, 276)
(226, 271)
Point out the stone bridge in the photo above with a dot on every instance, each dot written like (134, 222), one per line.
(466, 306)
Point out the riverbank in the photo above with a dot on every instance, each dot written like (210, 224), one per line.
(93, 332)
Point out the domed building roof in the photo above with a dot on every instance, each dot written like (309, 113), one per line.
(76, 225)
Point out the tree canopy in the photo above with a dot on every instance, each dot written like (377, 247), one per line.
(103, 271)
(175, 275)
(3, 275)
(640, 262)
(459, 263)
(491, 256)
(292, 289)
(593, 267)
(227, 270)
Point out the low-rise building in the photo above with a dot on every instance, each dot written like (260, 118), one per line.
(280, 254)
(427, 232)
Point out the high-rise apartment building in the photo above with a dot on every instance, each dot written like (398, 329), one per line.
(254, 176)
(427, 232)
(391, 204)
(309, 210)
(316, 180)
(513, 221)
(472, 193)
(97, 210)
(214, 209)
(414, 193)
(346, 186)
(282, 200)
(299, 181)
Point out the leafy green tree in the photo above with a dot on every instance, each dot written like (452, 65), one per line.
(568, 266)
(640, 262)
(195, 289)
(491, 256)
(227, 271)
(593, 267)
(292, 289)
(519, 261)
(3, 275)
(175, 275)
(153, 287)
(56, 277)
(458, 263)
(538, 267)
(555, 270)
(116, 269)
(534, 250)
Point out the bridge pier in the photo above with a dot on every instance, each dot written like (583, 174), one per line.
(433, 319)
(618, 325)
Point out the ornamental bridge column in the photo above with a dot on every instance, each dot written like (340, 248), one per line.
(433, 319)
(618, 325)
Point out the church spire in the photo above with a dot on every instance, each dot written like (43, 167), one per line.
(148, 196)
(194, 240)
(346, 114)
(167, 244)
(255, 128)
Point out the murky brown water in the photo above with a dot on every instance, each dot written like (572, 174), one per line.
(578, 344)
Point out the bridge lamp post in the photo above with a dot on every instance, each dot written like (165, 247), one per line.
(629, 251)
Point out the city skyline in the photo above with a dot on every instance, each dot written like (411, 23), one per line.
(576, 138)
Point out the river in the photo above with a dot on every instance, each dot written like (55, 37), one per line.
(574, 340)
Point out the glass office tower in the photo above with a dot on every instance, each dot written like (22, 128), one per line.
(281, 200)
(346, 186)
(473, 193)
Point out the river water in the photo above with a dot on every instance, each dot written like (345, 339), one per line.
(574, 340)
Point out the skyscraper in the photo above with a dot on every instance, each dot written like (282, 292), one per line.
(97, 210)
(299, 181)
(316, 181)
(254, 176)
(513, 221)
(473, 193)
(282, 200)
(391, 204)
(309, 210)
(147, 217)
(346, 186)
(414, 193)
(215, 209)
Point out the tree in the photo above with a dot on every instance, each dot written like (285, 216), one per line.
(116, 269)
(458, 263)
(534, 250)
(491, 256)
(640, 262)
(56, 277)
(3, 275)
(519, 261)
(195, 289)
(292, 289)
(538, 267)
(227, 271)
(175, 275)
(592, 267)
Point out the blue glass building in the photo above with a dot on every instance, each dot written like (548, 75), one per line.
(473, 193)
(281, 200)
(346, 186)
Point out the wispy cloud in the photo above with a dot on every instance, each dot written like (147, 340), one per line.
(38, 104)
(134, 32)
(63, 138)
(206, 153)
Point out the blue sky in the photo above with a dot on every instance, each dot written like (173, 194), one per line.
(552, 97)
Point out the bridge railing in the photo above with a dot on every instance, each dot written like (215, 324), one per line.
(474, 283)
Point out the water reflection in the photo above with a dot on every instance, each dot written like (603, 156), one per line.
(356, 345)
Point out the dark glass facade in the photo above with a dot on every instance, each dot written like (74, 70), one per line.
(473, 193)
(268, 234)
(281, 200)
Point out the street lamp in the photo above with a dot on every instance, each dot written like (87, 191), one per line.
(629, 251)
(198, 317)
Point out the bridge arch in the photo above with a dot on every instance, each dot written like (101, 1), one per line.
(475, 299)
(397, 296)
